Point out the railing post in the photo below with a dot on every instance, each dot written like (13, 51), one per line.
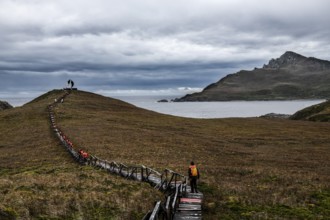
(142, 169)
(175, 179)
(174, 199)
(155, 211)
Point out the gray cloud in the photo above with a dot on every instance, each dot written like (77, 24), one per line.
(151, 44)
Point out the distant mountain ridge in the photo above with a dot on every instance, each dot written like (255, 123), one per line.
(291, 76)
(290, 58)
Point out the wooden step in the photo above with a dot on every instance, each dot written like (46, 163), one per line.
(190, 200)
(183, 217)
(189, 207)
(187, 215)
(194, 195)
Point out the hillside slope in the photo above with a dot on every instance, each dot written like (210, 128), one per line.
(319, 112)
(250, 168)
(40, 180)
(292, 76)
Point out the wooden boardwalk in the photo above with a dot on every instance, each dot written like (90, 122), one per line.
(189, 206)
(179, 203)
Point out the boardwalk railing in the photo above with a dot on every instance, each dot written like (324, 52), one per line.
(170, 179)
(173, 184)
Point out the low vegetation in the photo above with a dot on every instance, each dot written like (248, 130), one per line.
(319, 112)
(39, 179)
(252, 168)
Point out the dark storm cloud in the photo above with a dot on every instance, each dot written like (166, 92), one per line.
(151, 44)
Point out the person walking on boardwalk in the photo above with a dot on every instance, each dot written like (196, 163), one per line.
(193, 174)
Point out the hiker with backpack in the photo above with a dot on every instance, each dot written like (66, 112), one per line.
(193, 174)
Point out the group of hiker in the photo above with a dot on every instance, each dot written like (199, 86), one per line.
(81, 155)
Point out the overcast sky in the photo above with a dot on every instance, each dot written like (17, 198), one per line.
(113, 46)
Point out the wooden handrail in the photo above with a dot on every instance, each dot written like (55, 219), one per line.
(155, 211)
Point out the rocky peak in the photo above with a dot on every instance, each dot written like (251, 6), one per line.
(288, 58)
(5, 105)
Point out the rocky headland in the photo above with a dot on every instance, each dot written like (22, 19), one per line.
(5, 105)
(289, 77)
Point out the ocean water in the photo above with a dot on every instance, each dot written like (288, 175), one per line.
(218, 109)
(204, 109)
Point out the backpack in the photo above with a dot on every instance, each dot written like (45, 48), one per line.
(193, 171)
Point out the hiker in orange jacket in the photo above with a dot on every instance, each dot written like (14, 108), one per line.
(193, 174)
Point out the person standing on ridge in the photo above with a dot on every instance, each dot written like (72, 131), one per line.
(193, 174)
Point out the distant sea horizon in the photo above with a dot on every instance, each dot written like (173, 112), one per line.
(222, 109)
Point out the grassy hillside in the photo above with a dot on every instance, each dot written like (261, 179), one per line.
(319, 112)
(251, 168)
(39, 180)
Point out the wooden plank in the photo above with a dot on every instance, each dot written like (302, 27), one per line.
(190, 206)
(189, 209)
(190, 200)
(187, 218)
(187, 215)
(192, 213)
(194, 195)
